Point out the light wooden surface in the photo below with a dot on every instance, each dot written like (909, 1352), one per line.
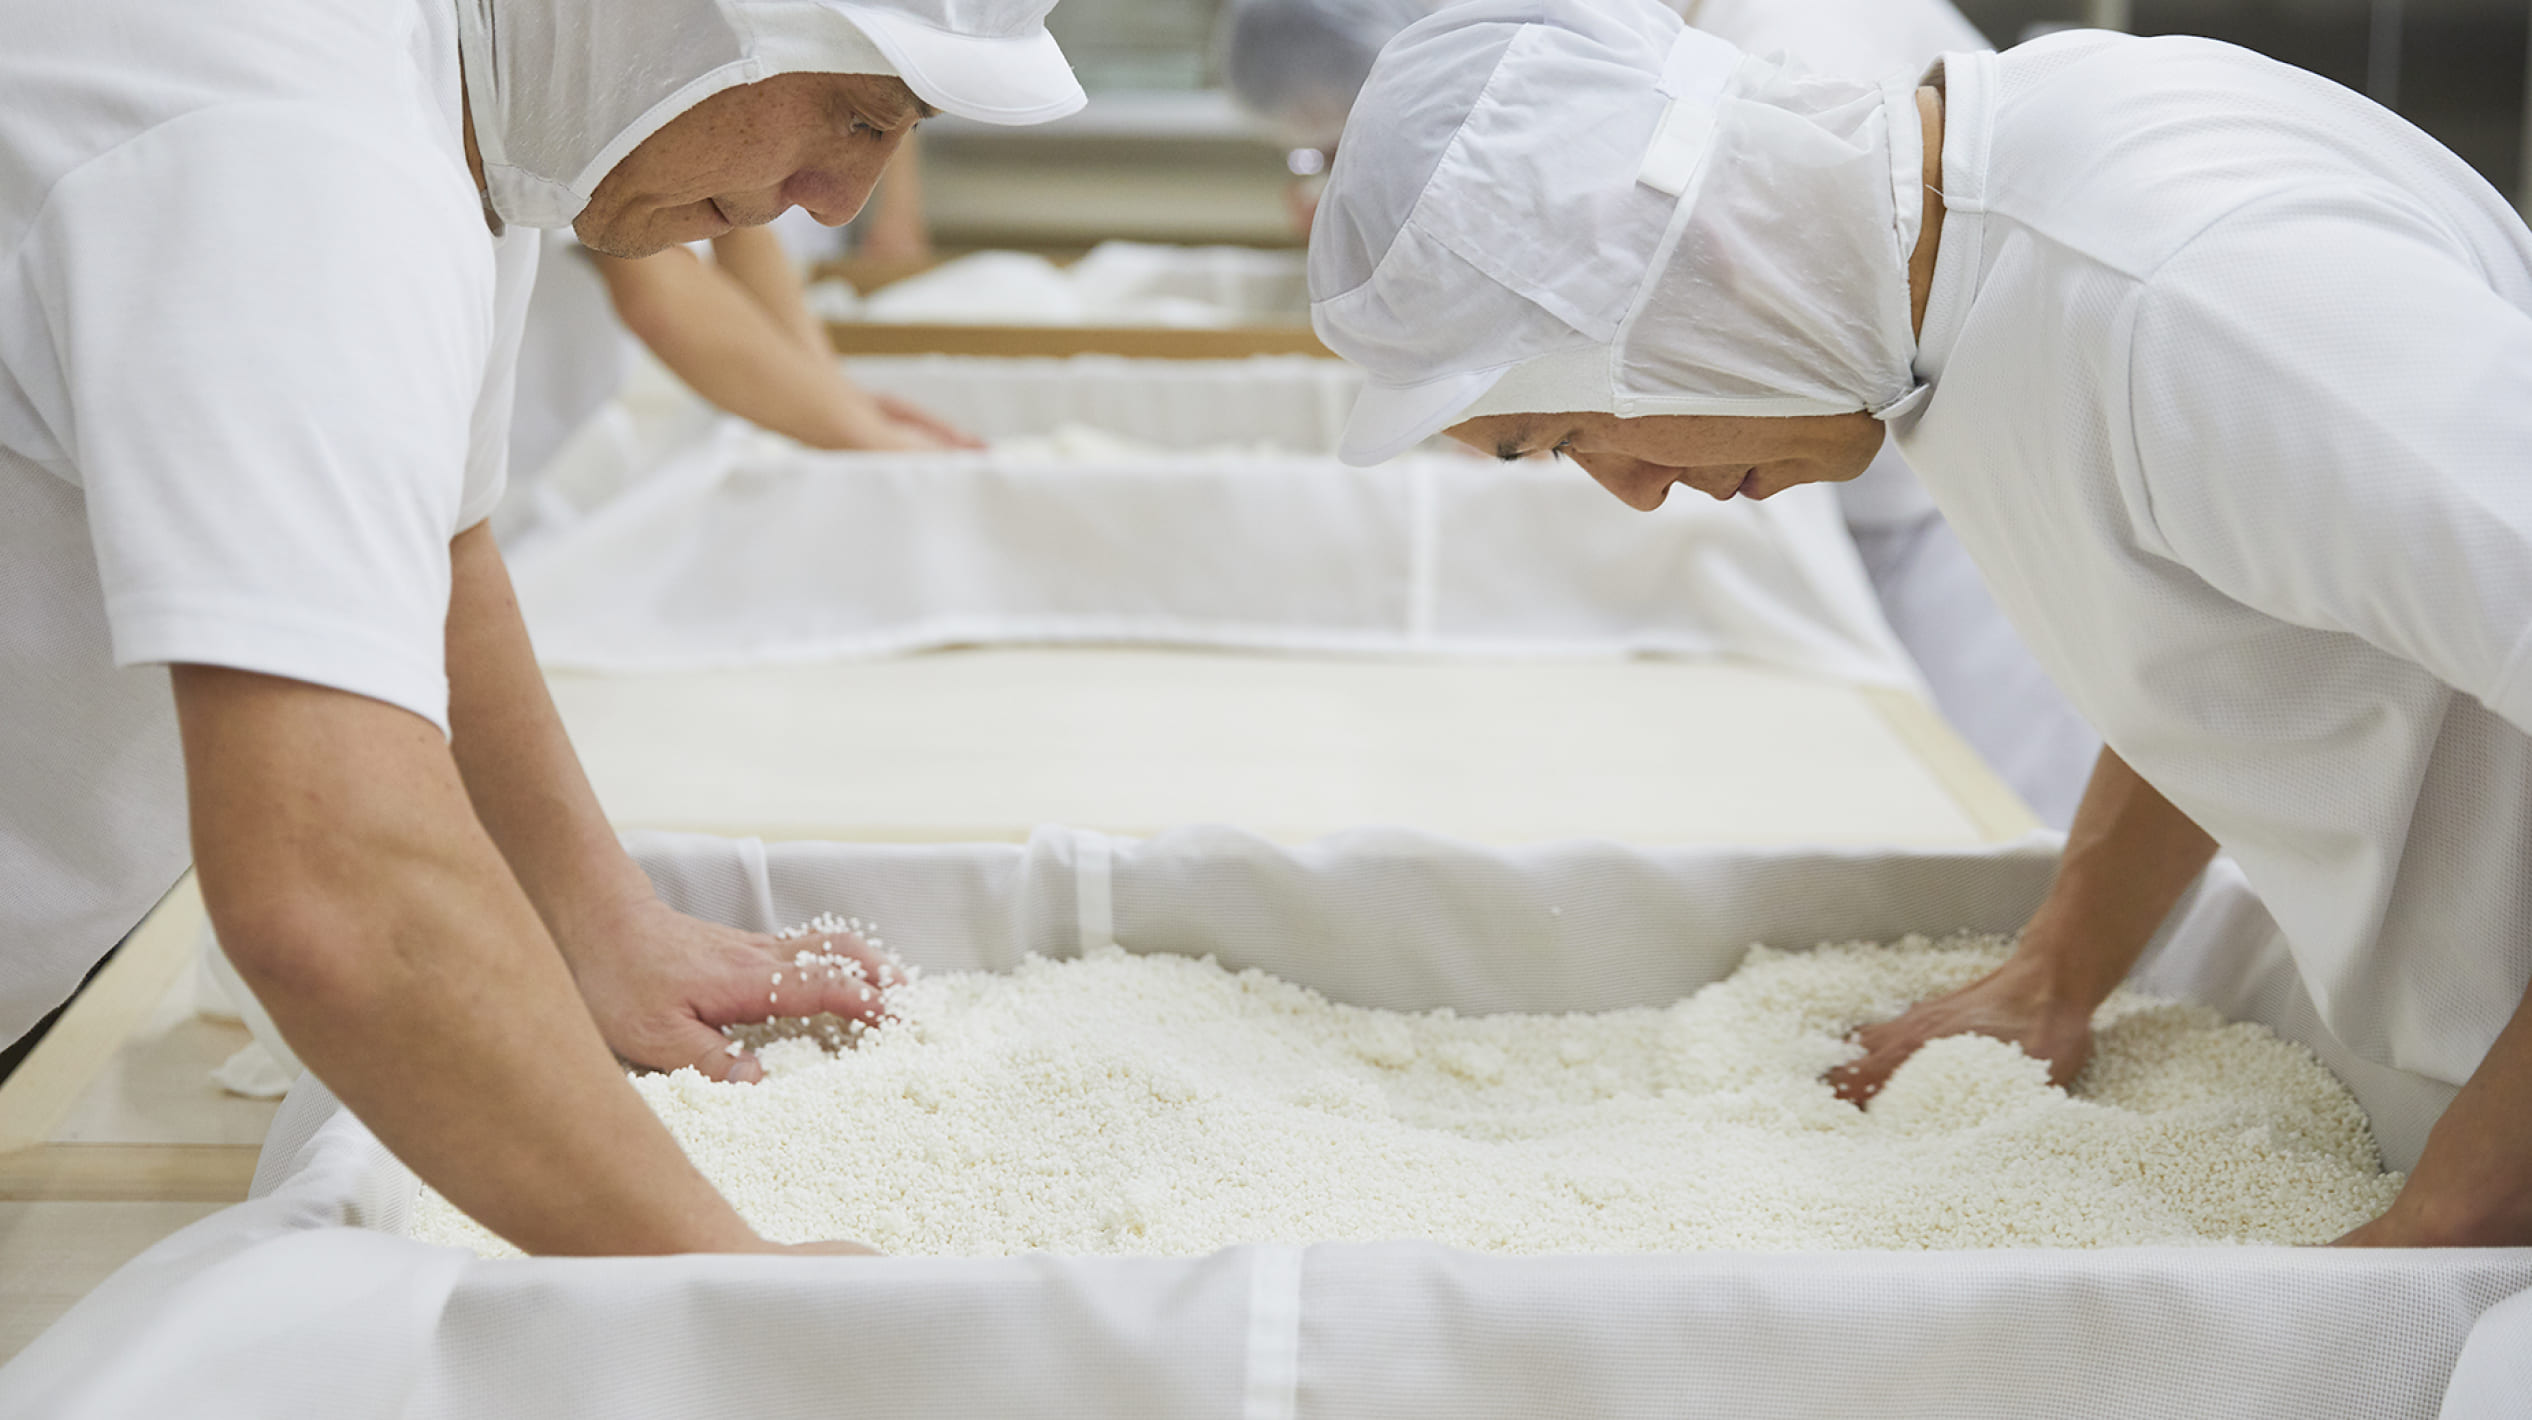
(986, 744)
(1141, 341)
(117, 1102)
(1989, 802)
(54, 1253)
(116, 1134)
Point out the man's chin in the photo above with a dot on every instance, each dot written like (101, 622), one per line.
(606, 241)
(620, 236)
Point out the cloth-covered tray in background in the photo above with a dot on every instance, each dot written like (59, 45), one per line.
(306, 1299)
(1227, 524)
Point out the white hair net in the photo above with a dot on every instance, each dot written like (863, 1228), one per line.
(561, 90)
(1297, 64)
(1850, 39)
(1581, 205)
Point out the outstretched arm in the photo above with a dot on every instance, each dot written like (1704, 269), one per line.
(659, 983)
(2473, 1183)
(896, 229)
(724, 341)
(2129, 857)
(754, 258)
(350, 883)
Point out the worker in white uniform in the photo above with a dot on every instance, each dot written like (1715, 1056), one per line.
(1297, 64)
(729, 317)
(265, 263)
(2222, 373)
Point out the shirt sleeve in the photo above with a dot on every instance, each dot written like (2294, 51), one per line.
(2333, 422)
(271, 329)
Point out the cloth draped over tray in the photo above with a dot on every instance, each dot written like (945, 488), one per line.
(669, 543)
(305, 1300)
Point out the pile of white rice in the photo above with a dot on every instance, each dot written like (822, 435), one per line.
(1161, 1105)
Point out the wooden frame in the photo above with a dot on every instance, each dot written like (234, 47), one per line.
(34, 1164)
(1990, 803)
(852, 338)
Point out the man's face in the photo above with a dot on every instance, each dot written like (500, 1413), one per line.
(1717, 455)
(744, 156)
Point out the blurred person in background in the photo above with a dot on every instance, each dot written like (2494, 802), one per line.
(729, 317)
(1296, 65)
(731, 320)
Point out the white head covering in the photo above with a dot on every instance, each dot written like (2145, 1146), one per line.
(1582, 205)
(1298, 63)
(561, 90)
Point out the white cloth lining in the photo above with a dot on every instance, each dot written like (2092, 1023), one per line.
(1094, 918)
(1274, 1334)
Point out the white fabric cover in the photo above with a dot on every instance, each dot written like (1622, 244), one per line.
(1563, 205)
(747, 549)
(1288, 403)
(303, 1302)
(2230, 397)
(2493, 1379)
(561, 90)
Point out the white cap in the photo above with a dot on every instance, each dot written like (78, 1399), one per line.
(561, 90)
(1583, 205)
(989, 60)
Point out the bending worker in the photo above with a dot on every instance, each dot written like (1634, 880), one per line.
(1297, 65)
(267, 263)
(732, 321)
(2222, 373)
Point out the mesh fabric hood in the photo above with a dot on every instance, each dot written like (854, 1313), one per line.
(1582, 205)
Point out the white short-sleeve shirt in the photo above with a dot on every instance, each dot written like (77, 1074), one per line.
(2232, 403)
(254, 368)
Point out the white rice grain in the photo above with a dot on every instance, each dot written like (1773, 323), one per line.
(1161, 1105)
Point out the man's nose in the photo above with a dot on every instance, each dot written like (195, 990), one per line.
(1640, 486)
(833, 192)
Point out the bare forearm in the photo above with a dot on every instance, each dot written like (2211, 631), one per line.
(346, 875)
(896, 230)
(754, 258)
(2473, 1183)
(2129, 856)
(521, 774)
(730, 350)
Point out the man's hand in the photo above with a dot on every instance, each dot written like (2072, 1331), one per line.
(2129, 857)
(661, 985)
(2473, 1183)
(914, 418)
(2015, 1003)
